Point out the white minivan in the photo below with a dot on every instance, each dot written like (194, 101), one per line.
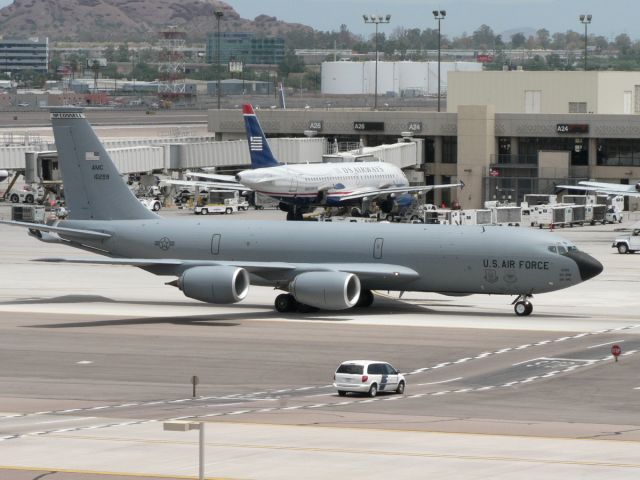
(368, 376)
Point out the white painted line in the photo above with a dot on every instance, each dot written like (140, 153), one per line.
(102, 407)
(543, 342)
(637, 388)
(462, 360)
(504, 350)
(510, 384)
(42, 413)
(180, 401)
(84, 362)
(603, 344)
(630, 352)
(282, 391)
(292, 408)
(342, 403)
(392, 398)
(462, 390)
(303, 389)
(530, 379)
(367, 401)
(562, 339)
(443, 392)
(482, 389)
(319, 395)
(154, 403)
(527, 361)
(317, 405)
(126, 405)
(580, 335)
(521, 347)
(266, 410)
(239, 412)
(70, 410)
(213, 415)
(442, 381)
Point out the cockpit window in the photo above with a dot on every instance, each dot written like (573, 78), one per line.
(552, 248)
(572, 248)
(561, 249)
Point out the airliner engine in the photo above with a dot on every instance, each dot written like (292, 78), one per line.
(326, 290)
(215, 284)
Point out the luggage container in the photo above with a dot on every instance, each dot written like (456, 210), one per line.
(595, 214)
(511, 216)
(474, 217)
(578, 215)
(532, 199)
(550, 216)
(28, 213)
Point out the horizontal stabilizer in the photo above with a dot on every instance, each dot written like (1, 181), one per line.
(72, 232)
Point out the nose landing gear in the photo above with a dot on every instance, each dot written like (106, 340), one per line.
(522, 306)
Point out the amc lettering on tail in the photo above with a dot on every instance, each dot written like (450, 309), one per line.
(512, 264)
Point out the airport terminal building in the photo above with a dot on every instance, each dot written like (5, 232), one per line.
(505, 134)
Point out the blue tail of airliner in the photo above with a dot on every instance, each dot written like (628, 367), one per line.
(259, 150)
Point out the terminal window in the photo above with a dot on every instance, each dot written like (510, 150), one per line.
(577, 107)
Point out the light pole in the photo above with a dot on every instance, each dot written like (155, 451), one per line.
(376, 19)
(439, 16)
(586, 20)
(218, 15)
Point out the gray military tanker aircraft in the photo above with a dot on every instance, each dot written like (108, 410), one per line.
(319, 265)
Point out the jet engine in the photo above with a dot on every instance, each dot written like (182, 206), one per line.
(326, 290)
(215, 284)
(638, 187)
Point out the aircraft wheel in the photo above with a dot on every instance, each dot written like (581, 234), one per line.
(289, 216)
(389, 218)
(523, 309)
(285, 303)
(156, 206)
(366, 298)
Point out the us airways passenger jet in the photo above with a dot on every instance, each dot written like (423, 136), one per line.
(330, 266)
(300, 187)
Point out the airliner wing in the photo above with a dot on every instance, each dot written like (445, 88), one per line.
(208, 185)
(362, 193)
(71, 232)
(212, 176)
(364, 271)
(603, 187)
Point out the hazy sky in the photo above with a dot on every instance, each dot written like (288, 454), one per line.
(609, 18)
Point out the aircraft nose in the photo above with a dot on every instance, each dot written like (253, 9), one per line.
(589, 267)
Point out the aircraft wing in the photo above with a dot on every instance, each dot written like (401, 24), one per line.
(362, 193)
(209, 185)
(363, 270)
(72, 232)
(212, 176)
(602, 187)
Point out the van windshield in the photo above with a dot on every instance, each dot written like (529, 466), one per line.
(350, 369)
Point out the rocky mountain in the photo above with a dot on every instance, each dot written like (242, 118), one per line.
(133, 20)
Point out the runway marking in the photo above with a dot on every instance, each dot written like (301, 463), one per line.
(604, 344)
(442, 381)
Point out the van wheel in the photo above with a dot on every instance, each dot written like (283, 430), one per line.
(28, 199)
(623, 248)
(373, 390)
(15, 198)
(400, 389)
(228, 211)
(204, 211)
(156, 207)
(342, 393)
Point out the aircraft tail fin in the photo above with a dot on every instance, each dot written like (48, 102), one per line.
(93, 187)
(259, 149)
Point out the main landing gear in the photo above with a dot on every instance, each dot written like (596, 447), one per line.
(522, 306)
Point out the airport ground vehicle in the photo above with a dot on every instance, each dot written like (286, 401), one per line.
(613, 215)
(152, 204)
(218, 201)
(27, 195)
(368, 376)
(628, 243)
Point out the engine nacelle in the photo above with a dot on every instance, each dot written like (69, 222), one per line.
(326, 290)
(638, 187)
(215, 284)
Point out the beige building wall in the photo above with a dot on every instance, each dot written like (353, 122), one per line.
(476, 145)
(553, 164)
(603, 92)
